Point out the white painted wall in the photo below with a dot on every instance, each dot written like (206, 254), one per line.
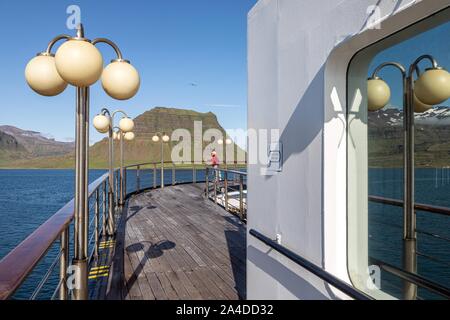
(298, 53)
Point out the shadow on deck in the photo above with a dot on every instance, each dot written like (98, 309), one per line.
(173, 244)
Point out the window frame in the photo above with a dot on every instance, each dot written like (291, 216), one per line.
(367, 53)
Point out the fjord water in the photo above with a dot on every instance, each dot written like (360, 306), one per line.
(433, 230)
(29, 197)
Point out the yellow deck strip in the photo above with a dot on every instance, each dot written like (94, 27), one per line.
(99, 268)
(102, 275)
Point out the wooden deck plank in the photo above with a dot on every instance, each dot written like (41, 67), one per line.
(195, 232)
(156, 286)
(177, 245)
(204, 291)
(197, 248)
(167, 286)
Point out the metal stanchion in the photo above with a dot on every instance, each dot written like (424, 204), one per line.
(225, 187)
(138, 178)
(63, 264)
(241, 196)
(96, 222)
(207, 182)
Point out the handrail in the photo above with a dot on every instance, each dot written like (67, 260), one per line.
(243, 173)
(16, 266)
(413, 278)
(418, 206)
(225, 202)
(311, 267)
(407, 276)
(189, 165)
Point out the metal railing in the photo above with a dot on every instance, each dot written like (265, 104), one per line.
(412, 278)
(228, 188)
(311, 267)
(51, 240)
(23, 259)
(406, 276)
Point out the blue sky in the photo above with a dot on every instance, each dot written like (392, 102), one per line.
(172, 43)
(435, 42)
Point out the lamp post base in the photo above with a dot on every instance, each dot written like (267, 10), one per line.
(410, 265)
(80, 290)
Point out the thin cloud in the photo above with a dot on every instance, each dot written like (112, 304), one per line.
(214, 105)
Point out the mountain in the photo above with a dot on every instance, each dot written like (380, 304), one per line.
(142, 149)
(18, 145)
(438, 116)
(432, 137)
(36, 143)
(159, 119)
(10, 148)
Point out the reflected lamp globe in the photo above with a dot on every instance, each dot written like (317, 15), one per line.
(378, 94)
(79, 62)
(42, 76)
(166, 138)
(433, 86)
(101, 123)
(129, 136)
(120, 80)
(419, 106)
(155, 138)
(126, 124)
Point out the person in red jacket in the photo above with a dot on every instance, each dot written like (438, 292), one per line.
(214, 159)
(215, 163)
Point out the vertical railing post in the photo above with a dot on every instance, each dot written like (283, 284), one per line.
(96, 222)
(207, 182)
(241, 196)
(124, 184)
(138, 178)
(225, 187)
(215, 184)
(173, 174)
(117, 188)
(194, 174)
(154, 175)
(104, 206)
(63, 264)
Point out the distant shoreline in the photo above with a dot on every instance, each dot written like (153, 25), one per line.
(146, 167)
(8, 168)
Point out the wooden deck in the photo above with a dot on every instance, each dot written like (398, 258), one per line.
(175, 244)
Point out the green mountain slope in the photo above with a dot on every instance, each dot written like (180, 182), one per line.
(10, 149)
(36, 143)
(432, 138)
(159, 119)
(142, 149)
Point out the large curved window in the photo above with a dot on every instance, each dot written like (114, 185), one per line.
(386, 242)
